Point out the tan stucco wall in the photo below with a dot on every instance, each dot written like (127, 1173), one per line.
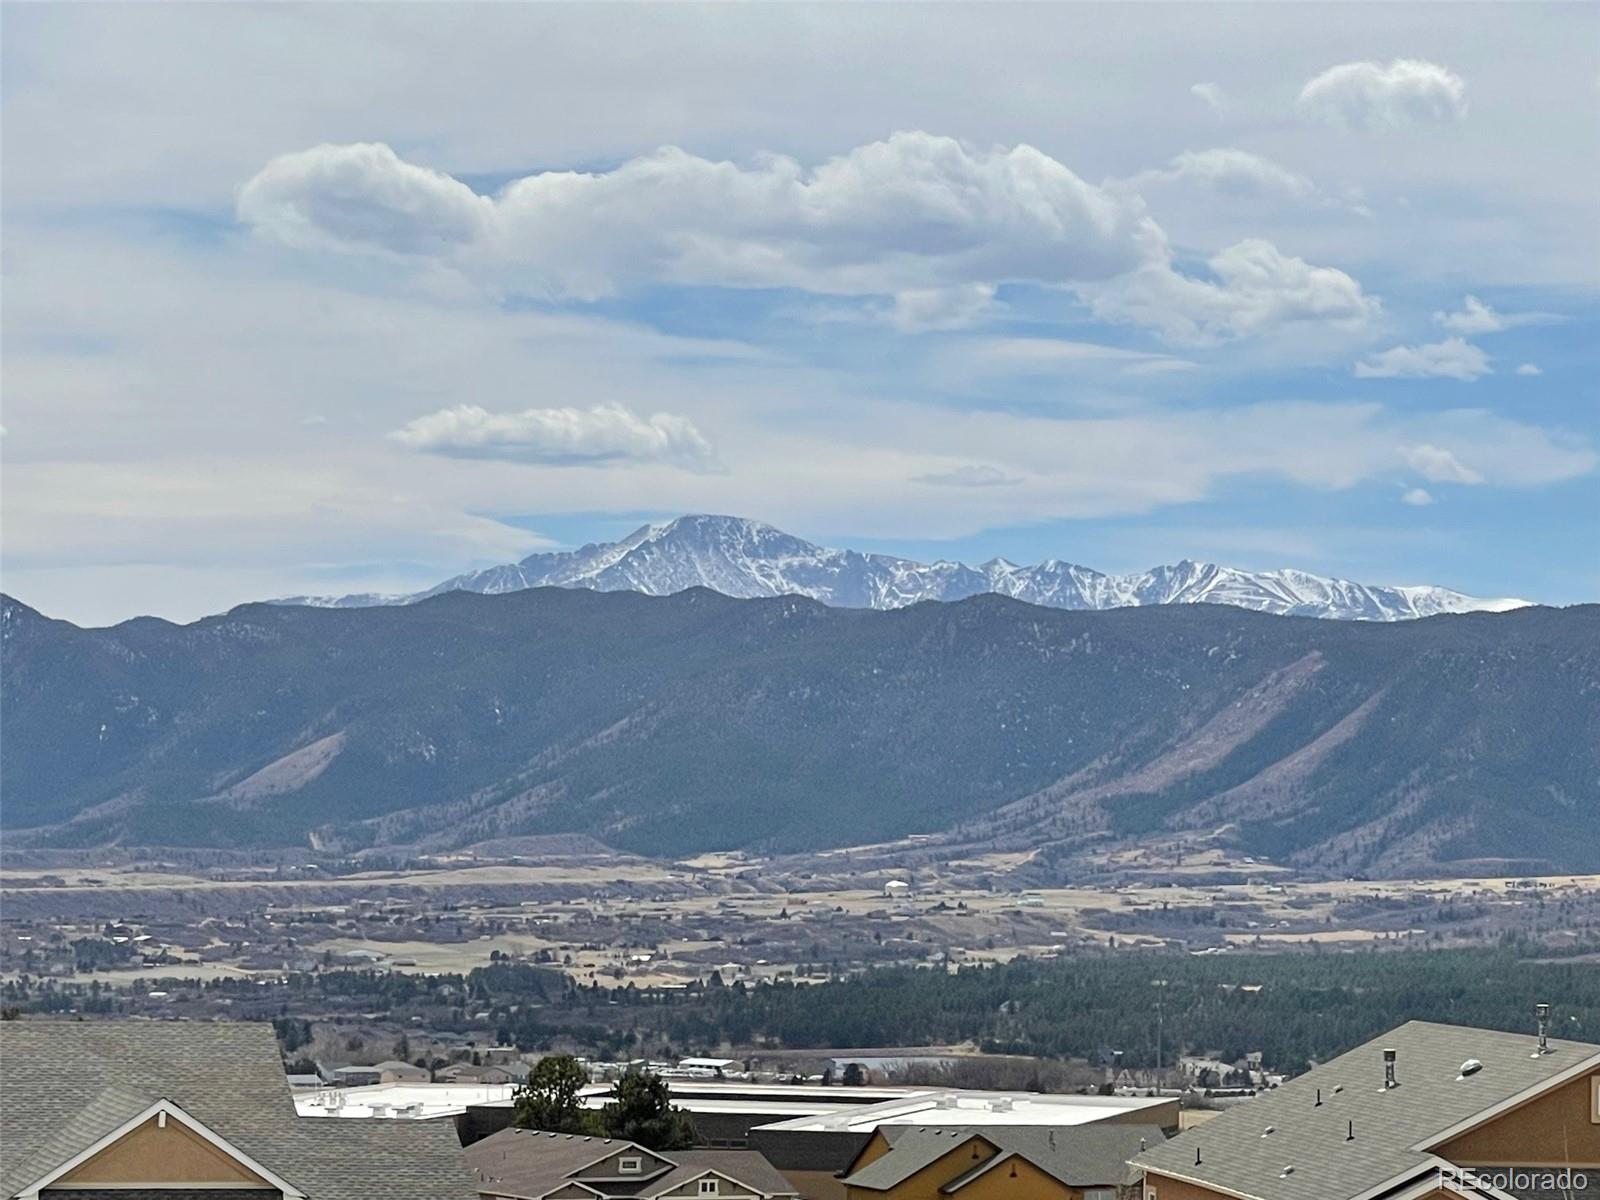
(1164, 1115)
(816, 1185)
(1030, 1183)
(1161, 1187)
(877, 1146)
(1554, 1130)
(150, 1154)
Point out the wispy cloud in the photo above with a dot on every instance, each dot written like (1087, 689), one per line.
(1438, 465)
(971, 475)
(1211, 95)
(1453, 358)
(1476, 317)
(1229, 172)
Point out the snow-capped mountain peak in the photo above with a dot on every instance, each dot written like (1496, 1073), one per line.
(745, 558)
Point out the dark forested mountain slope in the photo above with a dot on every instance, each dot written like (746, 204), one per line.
(696, 721)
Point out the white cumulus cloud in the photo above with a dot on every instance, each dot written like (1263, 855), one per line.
(1212, 95)
(1453, 358)
(1417, 497)
(912, 211)
(1256, 287)
(606, 433)
(1384, 96)
(1529, 369)
(930, 222)
(1438, 465)
(363, 197)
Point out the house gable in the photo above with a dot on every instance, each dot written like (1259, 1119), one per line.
(1559, 1128)
(161, 1152)
(727, 1188)
(612, 1166)
(161, 1147)
(1014, 1177)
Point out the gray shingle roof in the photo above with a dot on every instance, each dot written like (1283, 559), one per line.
(747, 1166)
(1078, 1155)
(1237, 1152)
(67, 1084)
(526, 1162)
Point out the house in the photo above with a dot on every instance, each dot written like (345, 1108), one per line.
(1424, 1112)
(817, 1152)
(475, 1073)
(156, 1110)
(525, 1164)
(395, 1071)
(1028, 1162)
(355, 1076)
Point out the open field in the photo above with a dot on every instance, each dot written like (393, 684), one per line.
(619, 920)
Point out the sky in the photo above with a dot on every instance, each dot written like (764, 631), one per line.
(338, 298)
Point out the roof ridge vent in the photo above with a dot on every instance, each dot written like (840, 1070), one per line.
(1542, 1013)
(1389, 1056)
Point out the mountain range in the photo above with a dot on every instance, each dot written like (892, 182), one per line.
(747, 559)
(694, 722)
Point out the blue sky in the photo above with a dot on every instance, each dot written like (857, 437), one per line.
(343, 297)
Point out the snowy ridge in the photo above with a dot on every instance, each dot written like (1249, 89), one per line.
(744, 558)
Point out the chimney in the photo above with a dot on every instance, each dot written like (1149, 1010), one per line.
(1542, 1011)
(1389, 1080)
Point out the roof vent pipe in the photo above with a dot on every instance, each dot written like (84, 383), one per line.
(1542, 1011)
(1389, 1080)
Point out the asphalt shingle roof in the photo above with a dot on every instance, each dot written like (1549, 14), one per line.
(1239, 1154)
(1078, 1155)
(66, 1084)
(526, 1162)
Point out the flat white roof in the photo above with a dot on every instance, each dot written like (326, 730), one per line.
(962, 1108)
(387, 1100)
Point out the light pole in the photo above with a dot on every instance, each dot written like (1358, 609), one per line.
(1159, 984)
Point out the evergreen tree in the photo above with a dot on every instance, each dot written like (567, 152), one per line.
(641, 1111)
(549, 1100)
